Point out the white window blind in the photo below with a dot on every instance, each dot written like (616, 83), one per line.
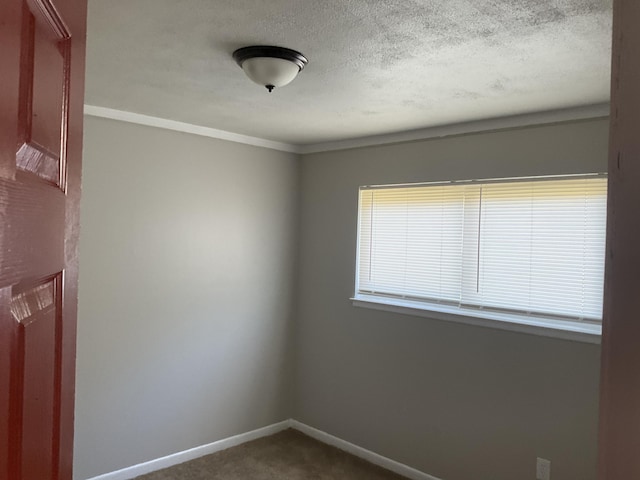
(530, 246)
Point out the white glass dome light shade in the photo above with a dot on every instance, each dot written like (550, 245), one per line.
(270, 71)
(270, 66)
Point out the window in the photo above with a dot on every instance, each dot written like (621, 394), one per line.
(520, 250)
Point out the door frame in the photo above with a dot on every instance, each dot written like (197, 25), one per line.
(619, 428)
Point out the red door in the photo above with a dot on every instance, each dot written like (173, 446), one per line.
(42, 46)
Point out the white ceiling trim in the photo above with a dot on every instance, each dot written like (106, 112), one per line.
(516, 121)
(150, 121)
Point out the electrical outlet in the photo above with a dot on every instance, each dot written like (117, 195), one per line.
(543, 469)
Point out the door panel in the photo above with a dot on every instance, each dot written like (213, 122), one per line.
(41, 95)
(10, 40)
(44, 82)
(36, 311)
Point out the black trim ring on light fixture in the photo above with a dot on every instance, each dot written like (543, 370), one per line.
(244, 53)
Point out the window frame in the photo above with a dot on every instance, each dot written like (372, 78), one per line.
(550, 326)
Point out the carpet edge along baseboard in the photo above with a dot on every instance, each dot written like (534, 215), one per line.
(133, 471)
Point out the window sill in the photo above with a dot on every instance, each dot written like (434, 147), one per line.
(564, 329)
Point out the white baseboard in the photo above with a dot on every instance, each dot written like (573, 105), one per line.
(193, 453)
(197, 452)
(368, 455)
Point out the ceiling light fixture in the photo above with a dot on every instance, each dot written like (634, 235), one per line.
(270, 66)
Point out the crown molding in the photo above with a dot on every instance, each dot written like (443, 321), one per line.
(599, 110)
(140, 119)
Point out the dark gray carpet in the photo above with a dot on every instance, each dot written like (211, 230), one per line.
(288, 455)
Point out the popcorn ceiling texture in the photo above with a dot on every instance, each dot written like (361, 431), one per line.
(375, 66)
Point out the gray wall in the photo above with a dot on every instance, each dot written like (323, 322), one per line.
(188, 251)
(188, 284)
(455, 401)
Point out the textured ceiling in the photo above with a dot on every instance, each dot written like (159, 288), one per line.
(375, 66)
